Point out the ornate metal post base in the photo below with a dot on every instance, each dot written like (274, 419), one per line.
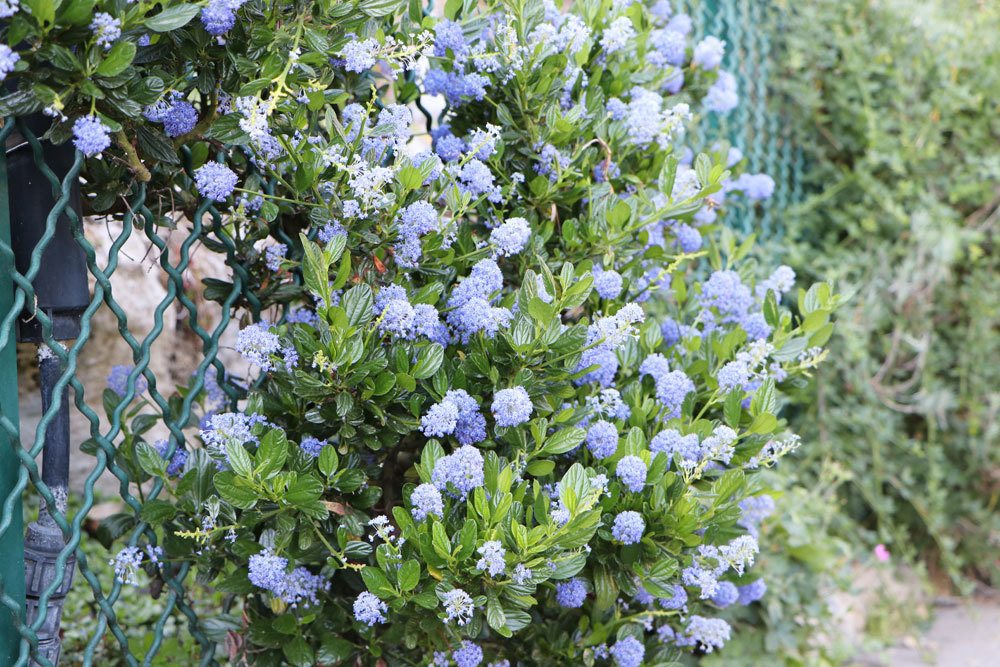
(42, 545)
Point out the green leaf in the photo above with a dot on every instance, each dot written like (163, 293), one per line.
(764, 399)
(733, 407)
(439, 538)
(724, 487)
(409, 575)
(303, 490)
(234, 491)
(564, 440)
(298, 652)
(157, 511)
(76, 12)
(44, 11)
(150, 459)
(328, 460)
(315, 270)
(272, 453)
(357, 302)
(517, 619)
(377, 583)
(334, 650)
(429, 361)
(379, 8)
(764, 423)
(495, 616)
(541, 468)
(173, 17)
(118, 58)
(239, 460)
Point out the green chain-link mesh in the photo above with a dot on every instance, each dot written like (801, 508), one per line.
(754, 128)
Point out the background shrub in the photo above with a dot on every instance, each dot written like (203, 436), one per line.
(898, 109)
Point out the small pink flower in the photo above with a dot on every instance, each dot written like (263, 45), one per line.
(881, 553)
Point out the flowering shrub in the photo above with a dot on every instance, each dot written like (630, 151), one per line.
(516, 383)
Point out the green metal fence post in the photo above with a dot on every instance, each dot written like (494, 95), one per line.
(12, 541)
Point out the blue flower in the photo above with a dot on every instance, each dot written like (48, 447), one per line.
(602, 439)
(752, 592)
(458, 606)
(572, 593)
(631, 470)
(274, 254)
(672, 443)
(706, 633)
(722, 96)
(312, 446)
(458, 414)
(8, 60)
(177, 460)
(708, 53)
(617, 35)
(511, 406)
(467, 655)
(256, 343)
(607, 284)
(118, 380)
(359, 55)
(688, 238)
(426, 501)
(219, 16)
(462, 470)
(492, 561)
(369, 609)
(90, 135)
(106, 29)
(511, 237)
(177, 115)
(628, 527)
(725, 595)
(448, 34)
(733, 375)
(628, 652)
(215, 181)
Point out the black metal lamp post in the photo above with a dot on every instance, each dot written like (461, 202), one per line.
(62, 294)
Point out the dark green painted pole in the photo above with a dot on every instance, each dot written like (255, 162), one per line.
(12, 541)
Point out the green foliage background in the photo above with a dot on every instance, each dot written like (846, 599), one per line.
(898, 105)
(895, 103)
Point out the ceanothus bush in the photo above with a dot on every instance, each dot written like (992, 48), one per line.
(516, 376)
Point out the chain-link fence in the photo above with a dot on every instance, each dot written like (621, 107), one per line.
(47, 262)
(751, 30)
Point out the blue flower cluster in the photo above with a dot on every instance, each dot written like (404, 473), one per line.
(215, 181)
(470, 302)
(118, 381)
(90, 135)
(457, 414)
(426, 501)
(511, 406)
(297, 587)
(461, 470)
(628, 527)
(177, 115)
(571, 594)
